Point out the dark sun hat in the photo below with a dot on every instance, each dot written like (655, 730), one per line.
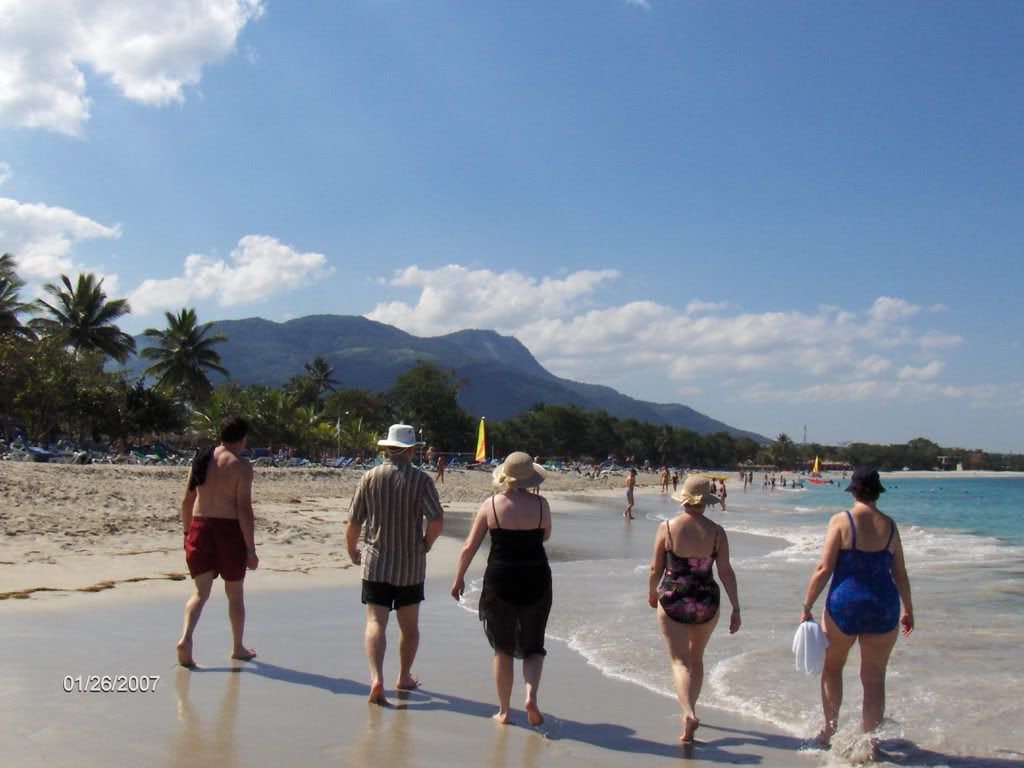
(865, 478)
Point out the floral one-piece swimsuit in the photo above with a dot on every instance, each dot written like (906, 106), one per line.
(688, 592)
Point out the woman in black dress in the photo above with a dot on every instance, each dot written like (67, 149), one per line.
(516, 595)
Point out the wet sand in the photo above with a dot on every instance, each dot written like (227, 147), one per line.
(107, 541)
(302, 702)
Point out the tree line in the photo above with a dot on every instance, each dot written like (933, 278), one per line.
(55, 382)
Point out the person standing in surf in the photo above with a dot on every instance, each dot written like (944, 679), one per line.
(630, 485)
(863, 556)
(685, 594)
(516, 596)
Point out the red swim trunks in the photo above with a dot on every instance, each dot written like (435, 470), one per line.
(216, 544)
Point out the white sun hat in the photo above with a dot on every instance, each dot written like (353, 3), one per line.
(399, 436)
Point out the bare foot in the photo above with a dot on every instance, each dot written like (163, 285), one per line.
(823, 740)
(407, 683)
(377, 695)
(244, 654)
(690, 726)
(185, 654)
(874, 751)
(503, 717)
(533, 715)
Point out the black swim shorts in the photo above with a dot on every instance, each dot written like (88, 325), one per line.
(390, 596)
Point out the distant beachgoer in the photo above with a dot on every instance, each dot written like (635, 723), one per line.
(217, 518)
(431, 457)
(685, 593)
(868, 583)
(440, 469)
(722, 493)
(675, 481)
(516, 596)
(391, 501)
(665, 477)
(630, 485)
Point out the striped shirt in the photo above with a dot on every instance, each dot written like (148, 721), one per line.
(390, 503)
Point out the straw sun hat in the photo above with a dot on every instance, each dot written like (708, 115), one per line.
(519, 471)
(696, 491)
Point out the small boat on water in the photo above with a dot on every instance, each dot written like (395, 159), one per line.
(816, 473)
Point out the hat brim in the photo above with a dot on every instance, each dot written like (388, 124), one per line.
(693, 501)
(395, 444)
(851, 487)
(534, 479)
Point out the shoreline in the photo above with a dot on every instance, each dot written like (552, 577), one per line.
(300, 687)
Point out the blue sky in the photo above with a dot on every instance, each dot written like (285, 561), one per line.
(781, 214)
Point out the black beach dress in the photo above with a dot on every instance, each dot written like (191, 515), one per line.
(516, 597)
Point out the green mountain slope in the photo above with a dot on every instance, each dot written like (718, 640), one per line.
(501, 377)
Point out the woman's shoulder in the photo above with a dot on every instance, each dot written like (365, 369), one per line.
(839, 517)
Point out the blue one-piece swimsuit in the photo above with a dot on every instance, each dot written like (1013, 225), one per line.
(863, 598)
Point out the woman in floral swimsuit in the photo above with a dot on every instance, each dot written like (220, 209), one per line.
(684, 591)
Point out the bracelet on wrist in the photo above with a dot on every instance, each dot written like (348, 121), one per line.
(806, 607)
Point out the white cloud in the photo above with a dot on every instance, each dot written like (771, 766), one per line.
(150, 49)
(829, 353)
(5, 173)
(887, 309)
(930, 371)
(697, 307)
(936, 340)
(259, 267)
(645, 4)
(453, 297)
(873, 366)
(41, 236)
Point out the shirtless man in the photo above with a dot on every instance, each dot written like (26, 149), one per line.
(216, 514)
(664, 478)
(630, 485)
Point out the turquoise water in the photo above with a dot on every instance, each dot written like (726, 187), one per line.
(989, 507)
(982, 506)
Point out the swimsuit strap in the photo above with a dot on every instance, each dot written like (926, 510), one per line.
(853, 529)
(495, 510)
(540, 517)
(714, 544)
(892, 532)
(668, 532)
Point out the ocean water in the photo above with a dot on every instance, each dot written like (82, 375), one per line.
(953, 687)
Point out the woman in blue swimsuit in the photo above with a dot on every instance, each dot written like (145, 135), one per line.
(863, 556)
(684, 591)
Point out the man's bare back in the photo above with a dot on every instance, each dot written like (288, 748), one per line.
(217, 521)
(228, 486)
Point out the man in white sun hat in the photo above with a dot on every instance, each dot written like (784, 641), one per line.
(388, 509)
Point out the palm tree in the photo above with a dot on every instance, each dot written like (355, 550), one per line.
(83, 317)
(226, 400)
(356, 435)
(275, 419)
(10, 304)
(184, 354)
(320, 373)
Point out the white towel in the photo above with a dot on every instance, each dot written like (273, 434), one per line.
(809, 646)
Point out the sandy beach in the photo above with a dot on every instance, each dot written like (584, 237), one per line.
(69, 529)
(103, 543)
(93, 580)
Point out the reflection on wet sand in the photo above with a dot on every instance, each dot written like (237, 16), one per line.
(385, 740)
(205, 743)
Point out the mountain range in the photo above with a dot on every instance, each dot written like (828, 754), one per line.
(501, 378)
